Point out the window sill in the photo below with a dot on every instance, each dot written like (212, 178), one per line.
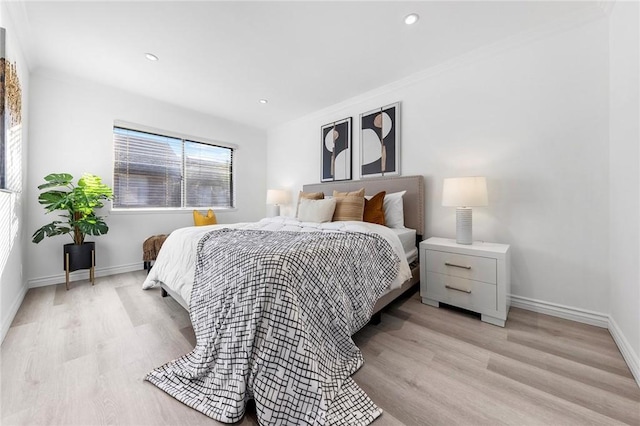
(170, 211)
(9, 191)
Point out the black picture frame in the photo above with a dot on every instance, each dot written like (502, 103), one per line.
(380, 141)
(336, 151)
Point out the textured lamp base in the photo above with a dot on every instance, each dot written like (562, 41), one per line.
(464, 225)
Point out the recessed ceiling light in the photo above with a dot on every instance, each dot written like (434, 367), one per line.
(411, 18)
(151, 56)
(263, 101)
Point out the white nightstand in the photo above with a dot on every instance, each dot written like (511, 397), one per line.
(476, 277)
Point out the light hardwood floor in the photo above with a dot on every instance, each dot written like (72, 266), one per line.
(79, 357)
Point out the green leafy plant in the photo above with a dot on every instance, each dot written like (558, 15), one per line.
(78, 201)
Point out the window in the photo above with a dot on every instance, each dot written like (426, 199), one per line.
(156, 171)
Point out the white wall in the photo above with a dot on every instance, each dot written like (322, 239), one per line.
(12, 284)
(624, 180)
(72, 131)
(531, 115)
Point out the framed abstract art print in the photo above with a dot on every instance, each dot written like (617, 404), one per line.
(380, 141)
(336, 150)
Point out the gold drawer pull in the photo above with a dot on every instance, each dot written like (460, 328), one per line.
(457, 289)
(457, 266)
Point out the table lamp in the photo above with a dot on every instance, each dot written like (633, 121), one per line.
(464, 193)
(276, 197)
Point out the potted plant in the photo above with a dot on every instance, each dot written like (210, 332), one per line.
(78, 202)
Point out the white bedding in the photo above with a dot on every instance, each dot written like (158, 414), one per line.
(175, 265)
(407, 237)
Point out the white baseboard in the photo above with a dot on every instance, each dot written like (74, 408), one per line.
(630, 357)
(83, 275)
(587, 317)
(8, 319)
(561, 311)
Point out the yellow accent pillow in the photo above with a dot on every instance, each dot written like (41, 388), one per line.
(201, 220)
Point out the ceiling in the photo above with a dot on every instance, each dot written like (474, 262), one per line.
(220, 58)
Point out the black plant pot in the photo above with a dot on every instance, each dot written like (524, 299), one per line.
(79, 256)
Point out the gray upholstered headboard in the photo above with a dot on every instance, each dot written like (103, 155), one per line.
(413, 199)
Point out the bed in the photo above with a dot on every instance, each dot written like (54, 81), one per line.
(274, 304)
(414, 219)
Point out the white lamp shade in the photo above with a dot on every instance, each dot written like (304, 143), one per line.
(465, 192)
(276, 196)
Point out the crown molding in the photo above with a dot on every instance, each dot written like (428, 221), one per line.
(559, 25)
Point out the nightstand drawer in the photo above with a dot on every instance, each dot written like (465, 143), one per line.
(474, 295)
(463, 266)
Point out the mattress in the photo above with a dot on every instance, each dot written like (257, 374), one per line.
(408, 240)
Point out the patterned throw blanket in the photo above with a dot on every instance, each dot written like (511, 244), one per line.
(273, 314)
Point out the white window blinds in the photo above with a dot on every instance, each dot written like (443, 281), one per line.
(156, 171)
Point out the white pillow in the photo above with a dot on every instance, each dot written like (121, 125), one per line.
(318, 211)
(394, 210)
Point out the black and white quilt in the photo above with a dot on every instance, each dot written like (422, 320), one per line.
(273, 314)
